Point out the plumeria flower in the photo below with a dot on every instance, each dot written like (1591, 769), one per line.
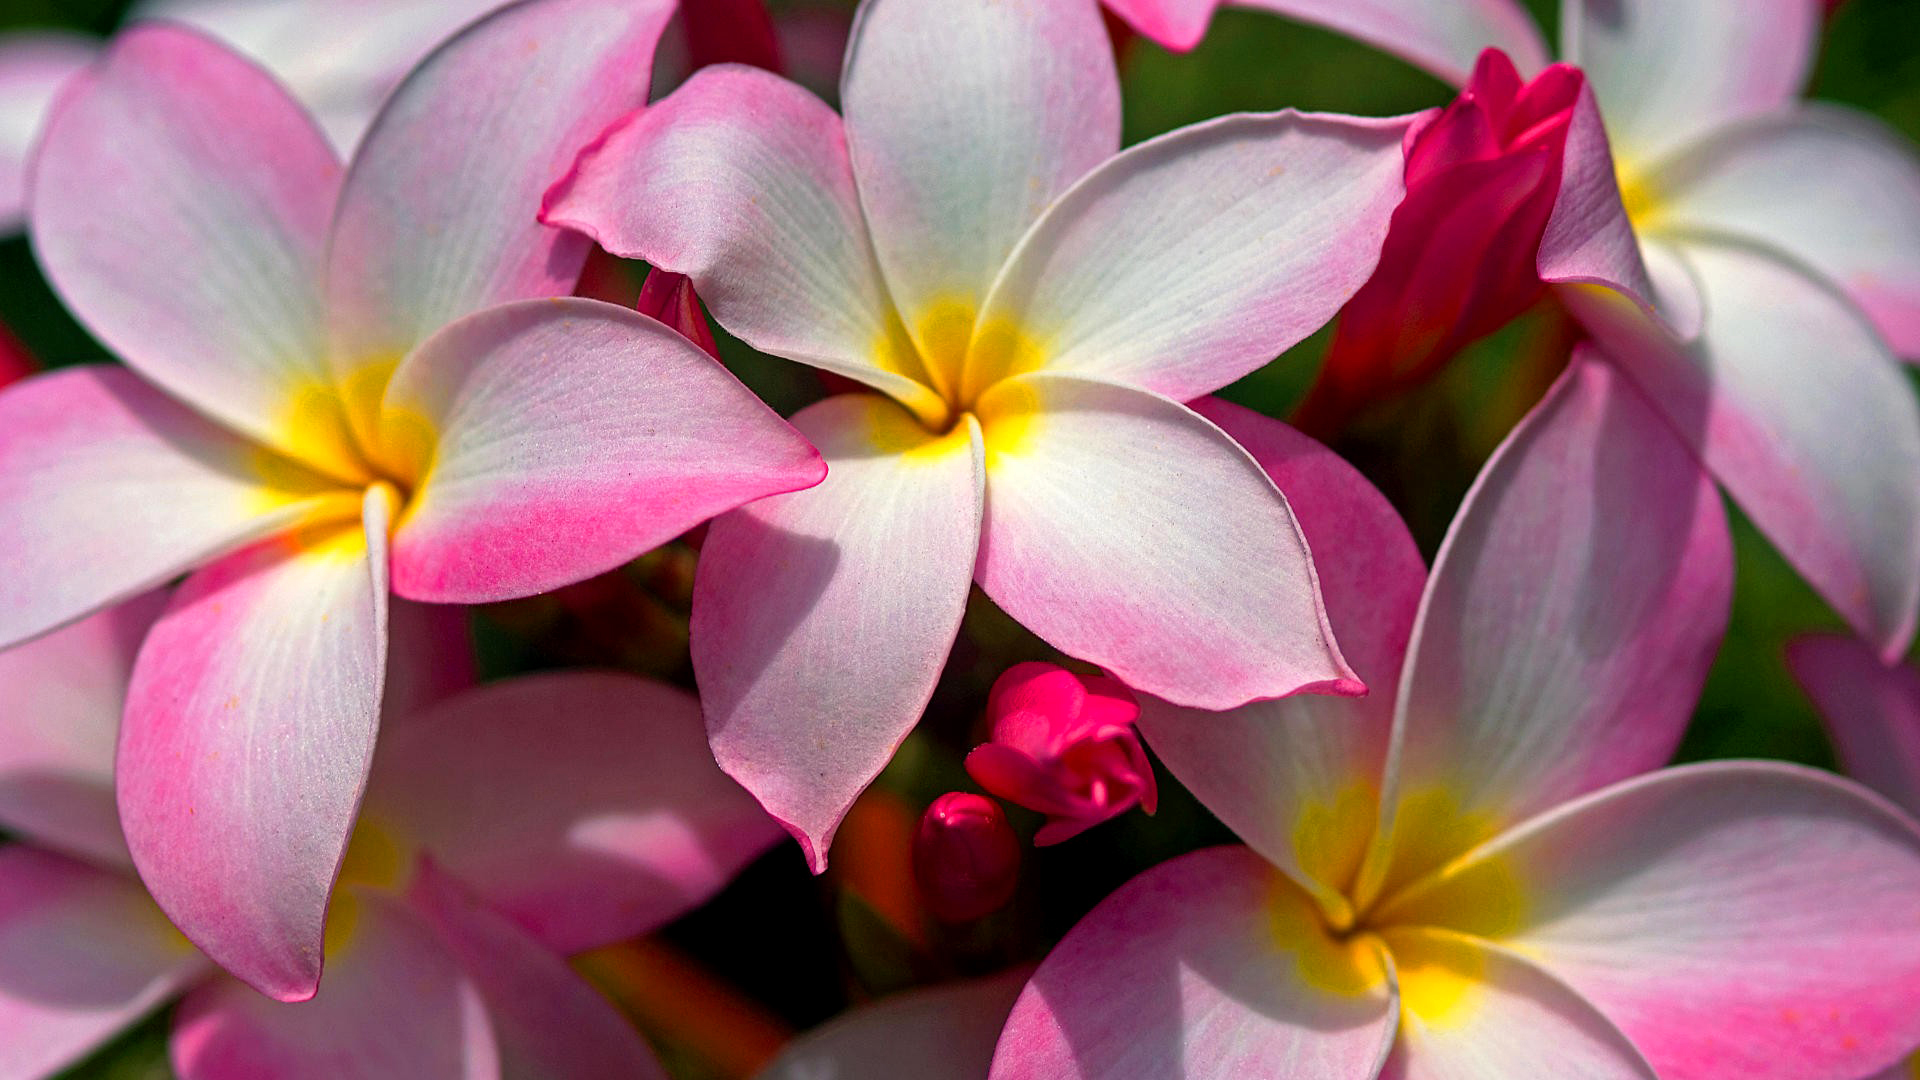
(1872, 711)
(943, 1032)
(338, 386)
(1751, 260)
(339, 57)
(1031, 308)
(1064, 745)
(1489, 874)
(504, 828)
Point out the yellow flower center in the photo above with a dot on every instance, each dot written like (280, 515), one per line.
(1409, 899)
(961, 366)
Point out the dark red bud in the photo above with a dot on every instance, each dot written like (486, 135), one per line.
(966, 857)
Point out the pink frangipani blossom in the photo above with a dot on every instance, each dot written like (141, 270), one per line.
(1487, 873)
(504, 828)
(1064, 745)
(339, 384)
(1029, 308)
(1751, 260)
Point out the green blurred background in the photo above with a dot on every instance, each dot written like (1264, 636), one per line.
(801, 949)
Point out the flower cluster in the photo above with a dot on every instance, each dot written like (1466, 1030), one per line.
(383, 374)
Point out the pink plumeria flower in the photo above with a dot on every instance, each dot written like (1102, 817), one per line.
(338, 386)
(1751, 260)
(1031, 307)
(1872, 710)
(943, 1032)
(504, 829)
(1064, 745)
(340, 58)
(1488, 874)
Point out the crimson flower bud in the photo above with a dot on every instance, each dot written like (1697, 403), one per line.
(966, 857)
(1459, 258)
(1064, 745)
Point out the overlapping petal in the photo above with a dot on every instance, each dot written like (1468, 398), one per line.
(83, 954)
(1831, 187)
(1297, 779)
(245, 746)
(823, 618)
(964, 122)
(585, 806)
(1190, 260)
(546, 1020)
(395, 1003)
(1872, 710)
(339, 57)
(1573, 611)
(1735, 919)
(58, 727)
(108, 488)
(1667, 72)
(33, 67)
(173, 144)
(1589, 239)
(1803, 416)
(1215, 958)
(438, 217)
(1444, 39)
(1470, 1010)
(740, 180)
(1105, 534)
(555, 439)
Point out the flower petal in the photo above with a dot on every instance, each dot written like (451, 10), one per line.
(1131, 533)
(740, 180)
(1573, 611)
(65, 692)
(965, 119)
(83, 955)
(340, 60)
(1735, 919)
(1190, 260)
(33, 68)
(396, 1003)
(821, 619)
(1471, 1011)
(568, 418)
(585, 806)
(944, 1032)
(1298, 779)
(1785, 396)
(438, 217)
(173, 144)
(1444, 39)
(1210, 965)
(547, 1020)
(1872, 711)
(1588, 238)
(249, 729)
(1832, 187)
(1668, 73)
(108, 488)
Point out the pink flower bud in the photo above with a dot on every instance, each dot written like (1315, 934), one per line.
(966, 857)
(1064, 745)
(1459, 258)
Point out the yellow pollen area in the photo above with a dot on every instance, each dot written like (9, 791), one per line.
(375, 858)
(1345, 965)
(1330, 836)
(1430, 828)
(1440, 977)
(339, 442)
(1640, 196)
(896, 432)
(1913, 1065)
(957, 359)
(1439, 895)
